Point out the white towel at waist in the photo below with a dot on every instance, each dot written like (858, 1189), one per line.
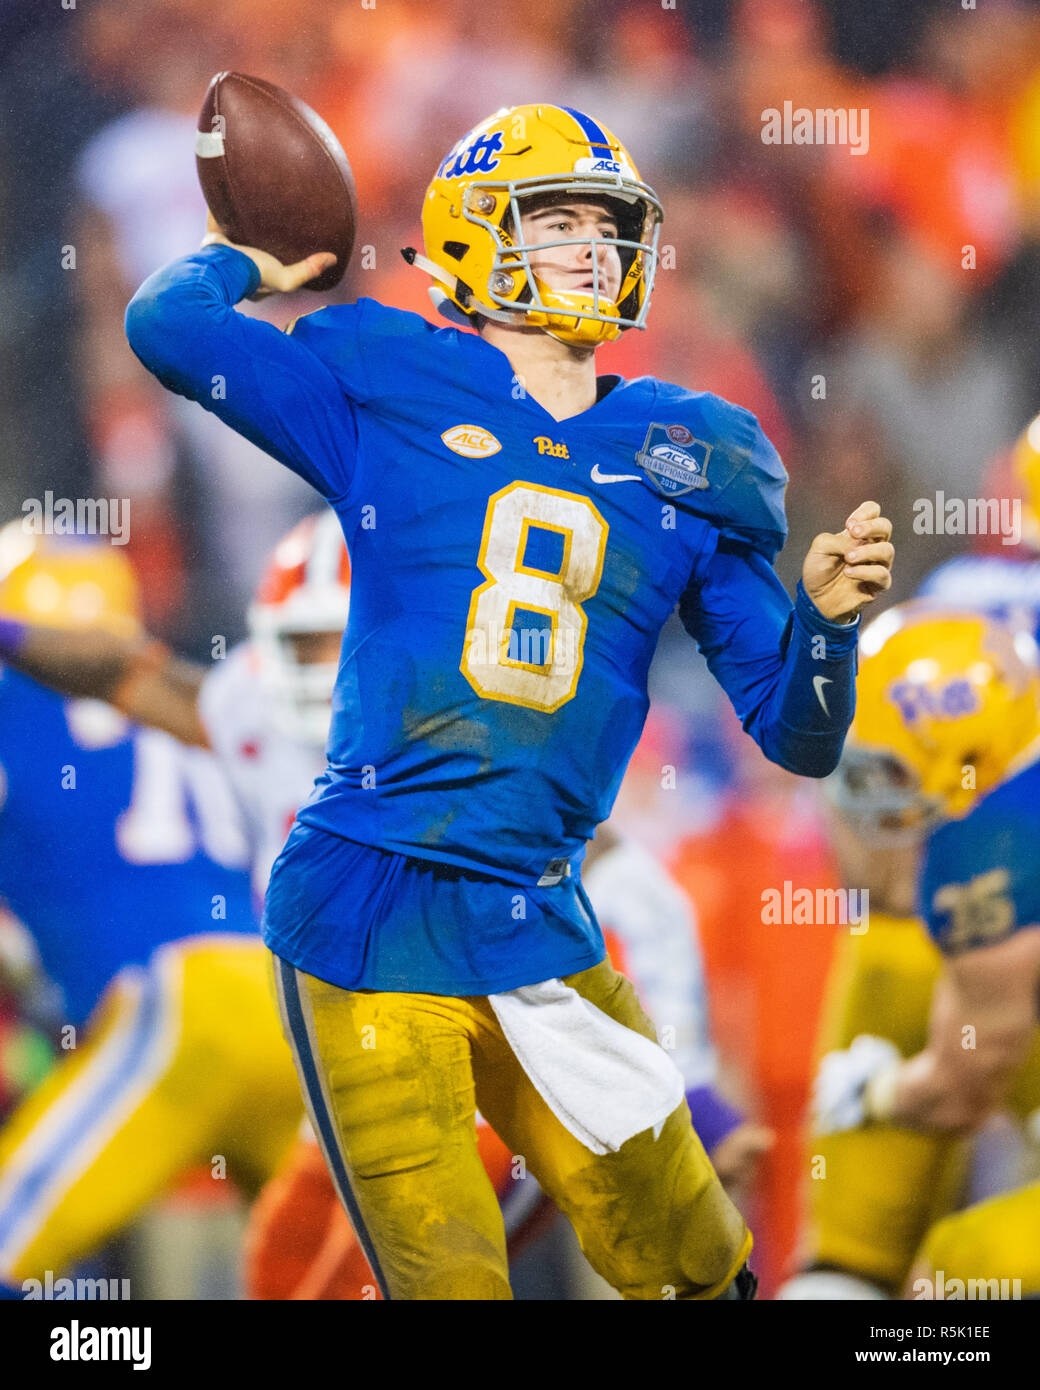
(601, 1080)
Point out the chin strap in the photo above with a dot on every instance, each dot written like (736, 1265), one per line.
(424, 263)
(447, 310)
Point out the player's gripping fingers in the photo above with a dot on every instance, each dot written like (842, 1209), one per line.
(275, 278)
(871, 563)
(291, 277)
(867, 523)
(875, 577)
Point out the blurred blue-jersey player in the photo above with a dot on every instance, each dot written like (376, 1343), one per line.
(122, 853)
(946, 746)
(519, 530)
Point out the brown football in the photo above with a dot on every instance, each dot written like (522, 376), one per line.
(273, 174)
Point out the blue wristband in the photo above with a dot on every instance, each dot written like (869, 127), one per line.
(810, 623)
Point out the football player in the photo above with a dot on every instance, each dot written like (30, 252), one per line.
(873, 1191)
(265, 711)
(300, 1244)
(948, 729)
(887, 1184)
(263, 708)
(520, 530)
(123, 853)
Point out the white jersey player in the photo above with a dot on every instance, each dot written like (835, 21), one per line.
(266, 707)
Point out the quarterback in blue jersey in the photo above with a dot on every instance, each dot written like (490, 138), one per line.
(520, 530)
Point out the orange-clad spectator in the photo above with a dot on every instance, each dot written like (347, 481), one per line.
(765, 978)
(140, 206)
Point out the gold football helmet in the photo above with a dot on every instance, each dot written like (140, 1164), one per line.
(66, 582)
(947, 702)
(472, 228)
(1025, 472)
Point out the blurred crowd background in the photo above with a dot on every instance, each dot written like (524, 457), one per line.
(789, 266)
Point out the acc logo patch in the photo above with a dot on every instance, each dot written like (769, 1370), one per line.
(590, 165)
(673, 460)
(471, 441)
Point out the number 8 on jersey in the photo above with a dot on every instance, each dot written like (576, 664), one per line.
(526, 628)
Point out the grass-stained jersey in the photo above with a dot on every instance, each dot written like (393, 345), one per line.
(511, 574)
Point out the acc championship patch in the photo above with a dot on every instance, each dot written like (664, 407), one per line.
(673, 460)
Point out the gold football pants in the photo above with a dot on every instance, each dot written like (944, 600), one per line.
(392, 1082)
(183, 1063)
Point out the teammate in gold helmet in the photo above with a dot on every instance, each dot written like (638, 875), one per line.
(947, 703)
(66, 583)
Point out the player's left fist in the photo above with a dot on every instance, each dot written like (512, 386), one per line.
(842, 1090)
(844, 572)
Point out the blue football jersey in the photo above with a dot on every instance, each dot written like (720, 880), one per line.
(113, 839)
(511, 573)
(506, 603)
(980, 878)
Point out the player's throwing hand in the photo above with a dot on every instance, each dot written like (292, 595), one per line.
(844, 572)
(274, 277)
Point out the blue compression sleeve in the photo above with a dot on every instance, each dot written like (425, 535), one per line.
(789, 672)
(265, 384)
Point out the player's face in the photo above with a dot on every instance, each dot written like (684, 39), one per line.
(315, 648)
(570, 268)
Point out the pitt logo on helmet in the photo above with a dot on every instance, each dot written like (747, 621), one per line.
(949, 701)
(475, 248)
(946, 702)
(476, 157)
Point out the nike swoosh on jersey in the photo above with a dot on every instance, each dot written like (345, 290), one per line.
(818, 682)
(598, 477)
